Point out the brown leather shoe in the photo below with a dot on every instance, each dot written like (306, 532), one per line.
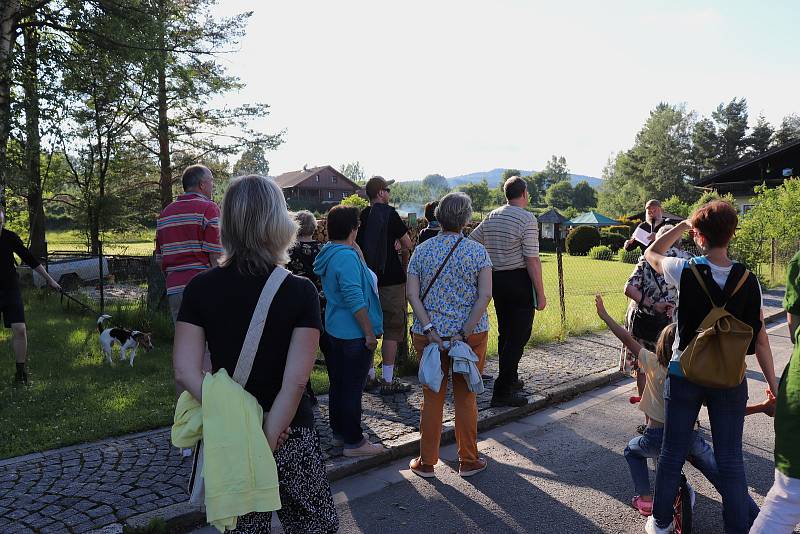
(472, 468)
(423, 470)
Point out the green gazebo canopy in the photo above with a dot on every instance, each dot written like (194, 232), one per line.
(592, 218)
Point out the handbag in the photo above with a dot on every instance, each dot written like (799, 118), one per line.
(196, 485)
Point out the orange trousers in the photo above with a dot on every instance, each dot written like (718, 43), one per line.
(466, 406)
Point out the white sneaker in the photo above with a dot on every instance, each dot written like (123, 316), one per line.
(367, 449)
(651, 528)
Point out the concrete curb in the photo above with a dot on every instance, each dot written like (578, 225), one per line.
(180, 517)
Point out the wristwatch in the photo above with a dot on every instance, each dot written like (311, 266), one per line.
(428, 328)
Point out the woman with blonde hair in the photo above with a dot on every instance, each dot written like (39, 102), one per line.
(257, 231)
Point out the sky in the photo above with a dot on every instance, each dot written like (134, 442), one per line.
(419, 87)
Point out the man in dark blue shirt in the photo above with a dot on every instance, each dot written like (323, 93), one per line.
(11, 298)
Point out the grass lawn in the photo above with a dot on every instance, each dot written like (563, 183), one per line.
(77, 397)
(131, 244)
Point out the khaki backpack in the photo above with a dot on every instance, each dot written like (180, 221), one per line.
(715, 357)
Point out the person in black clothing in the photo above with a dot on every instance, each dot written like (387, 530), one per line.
(11, 298)
(301, 263)
(381, 227)
(433, 227)
(257, 232)
(654, 220)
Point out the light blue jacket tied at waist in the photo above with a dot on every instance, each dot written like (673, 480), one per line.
(463, 361)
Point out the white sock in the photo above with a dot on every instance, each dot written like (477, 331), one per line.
(371, 373)
(388, 372)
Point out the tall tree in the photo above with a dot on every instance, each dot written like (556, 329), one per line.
(479, 194)
(760, 137)
(252, 161)
(508, 173)
(556, 170)
(355, 172)
(437, 183)
(185, 41)
(731, 121)
(704, 147)
(584, 196)
(559, 195)
(789, 130)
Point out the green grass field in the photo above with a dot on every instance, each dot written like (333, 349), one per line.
(77, 397)
(130, 244)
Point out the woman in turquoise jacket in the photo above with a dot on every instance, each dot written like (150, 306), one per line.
(353, 322)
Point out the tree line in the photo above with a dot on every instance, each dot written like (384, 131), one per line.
(676, 146)
(104, 102)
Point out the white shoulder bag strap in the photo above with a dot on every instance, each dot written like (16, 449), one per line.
(242, 372)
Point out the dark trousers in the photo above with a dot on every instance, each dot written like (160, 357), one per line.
(512, 292)
(348, 362)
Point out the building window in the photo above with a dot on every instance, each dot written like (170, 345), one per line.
(316, 178)
(334, 179)
(344, 194)
(746, 208)
(330, 194)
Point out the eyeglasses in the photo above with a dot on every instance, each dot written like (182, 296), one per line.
(387, 189)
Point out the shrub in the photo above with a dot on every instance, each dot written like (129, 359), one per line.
(628, 256)
(356, 201)
(581, 239)
(601, 252)
(612, 240)
(622, 229)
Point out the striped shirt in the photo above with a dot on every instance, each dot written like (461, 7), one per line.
(187, 231)
(510, 234)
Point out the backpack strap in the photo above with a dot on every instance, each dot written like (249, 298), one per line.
(248, 353)
(742, 280)
(702, 282)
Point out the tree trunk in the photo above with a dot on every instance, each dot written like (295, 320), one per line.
(8, 17)
(165, 180)
(33, 142)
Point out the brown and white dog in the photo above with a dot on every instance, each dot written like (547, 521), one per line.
(128, 341)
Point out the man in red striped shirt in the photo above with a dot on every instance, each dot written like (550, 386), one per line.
(187, 234)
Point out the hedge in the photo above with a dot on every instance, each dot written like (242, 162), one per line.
(601, 252)
(582, 239)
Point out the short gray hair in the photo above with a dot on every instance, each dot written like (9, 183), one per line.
(454, 211)
(307, 222)
(256, 228)
(194, 175)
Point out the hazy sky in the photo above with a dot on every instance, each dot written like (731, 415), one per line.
(416, 87)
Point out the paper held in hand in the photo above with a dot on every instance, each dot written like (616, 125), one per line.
(641, 236)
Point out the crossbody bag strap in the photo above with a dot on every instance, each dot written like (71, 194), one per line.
(248, 353)
(435, 276)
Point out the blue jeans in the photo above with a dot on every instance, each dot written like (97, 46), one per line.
(348, 362)
(726, 408)
(701, 456)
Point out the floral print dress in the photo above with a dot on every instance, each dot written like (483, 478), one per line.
(652, 285)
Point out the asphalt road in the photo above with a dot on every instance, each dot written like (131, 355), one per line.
(559, 470)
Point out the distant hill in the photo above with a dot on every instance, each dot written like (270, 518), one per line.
(493, 178)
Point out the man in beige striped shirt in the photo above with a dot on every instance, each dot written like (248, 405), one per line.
(511, 237)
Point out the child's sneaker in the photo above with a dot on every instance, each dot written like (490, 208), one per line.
(645, 507)
(651, 528)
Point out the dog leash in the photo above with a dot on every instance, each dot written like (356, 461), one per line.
(78, 302)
